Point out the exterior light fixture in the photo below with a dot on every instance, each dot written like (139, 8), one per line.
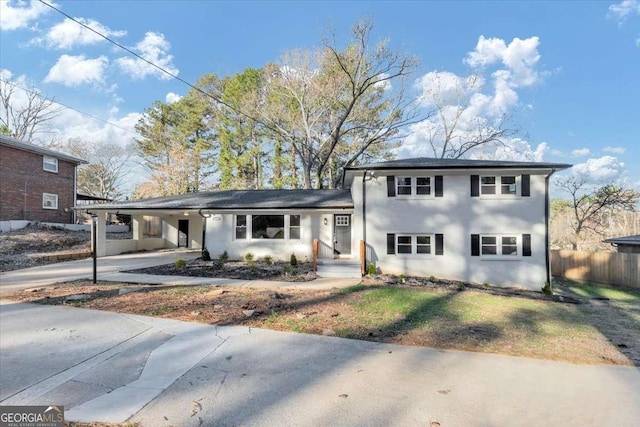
(326, 221)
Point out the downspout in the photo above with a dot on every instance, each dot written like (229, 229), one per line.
(547, 236)
(364, 214)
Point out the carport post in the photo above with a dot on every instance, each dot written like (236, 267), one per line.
(94, 244)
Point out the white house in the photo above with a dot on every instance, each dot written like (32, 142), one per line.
(471, 220)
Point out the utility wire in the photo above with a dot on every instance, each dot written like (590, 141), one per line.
(66, 106)
(215, 98)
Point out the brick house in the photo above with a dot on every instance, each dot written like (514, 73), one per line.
(36, 184)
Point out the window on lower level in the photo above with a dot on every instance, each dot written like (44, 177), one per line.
(418, 244)
(49, 201)
(241, 226)
(267, 227)
(294, 226)
(500, 245)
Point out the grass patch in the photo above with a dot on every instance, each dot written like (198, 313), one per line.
(349, 290)
(185, 290)
(615, 294)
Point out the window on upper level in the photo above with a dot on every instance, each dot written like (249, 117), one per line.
(500, 185)
(49, 201)
(50, 164)
(423, 186)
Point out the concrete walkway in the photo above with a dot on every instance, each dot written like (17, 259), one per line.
(111, 367)
(110, 269)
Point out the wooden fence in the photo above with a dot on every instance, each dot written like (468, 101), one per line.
(602, 267)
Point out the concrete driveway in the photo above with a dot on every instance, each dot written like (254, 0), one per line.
(83, 269)
(112, 367)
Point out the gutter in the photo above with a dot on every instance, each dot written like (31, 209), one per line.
(364, 211)
(547, 240)
(204, 229)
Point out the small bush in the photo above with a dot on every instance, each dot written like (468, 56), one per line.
(432, 278)
(371, 270)
(180, 264)
(294, 260)
(224, 257)
(268, 260)
(288, 270)
(249, 257)
(462, 286)
(402, 278)
(547, 289)
(485, 285)
(205, 255)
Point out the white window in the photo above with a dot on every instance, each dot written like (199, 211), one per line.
(494, 185)
(342, 220)
(241, 226)
(49, 201)
(498, 245)
(413, 185)
(275, 227)
(50, 164)
(413, 244)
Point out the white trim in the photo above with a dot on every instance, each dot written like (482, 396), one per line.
(49, 161)
(54, 206)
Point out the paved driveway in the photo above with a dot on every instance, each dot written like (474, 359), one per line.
(83, 269)
(112, 367)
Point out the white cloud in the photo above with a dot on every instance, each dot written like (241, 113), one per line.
(520, 58)
(616, 150)
(624, 9)
(581, 152)
(172, 98)
(519, 150)
(19, 14)
(68, 34)
(77, 70)
(153, 48)
(602, 170)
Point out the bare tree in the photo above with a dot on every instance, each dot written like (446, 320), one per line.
(591, 206)
(333, 106)
(456, 128)
(103, 176)
(25, 113)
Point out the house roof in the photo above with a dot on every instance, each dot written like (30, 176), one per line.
(24, 146)
(626, 240)
(431, 163)
(240, 199)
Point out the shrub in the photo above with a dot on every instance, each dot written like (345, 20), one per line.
(268, 260)
(371, 270)
(294, 260)
(205, 255)
(180, 264)
(432, 278)
(462, 286)
(224, 257)
(402, 278)
(547, 289)
(249, 257)
(288, 270)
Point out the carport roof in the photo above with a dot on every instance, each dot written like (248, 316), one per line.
(626, 240)
(239, 199)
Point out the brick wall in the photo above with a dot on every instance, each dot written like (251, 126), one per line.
(22, 182)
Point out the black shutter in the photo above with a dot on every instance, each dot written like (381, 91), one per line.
(391, 186)
(475, 245)
(438, 185)
(475, 185)
(526, 245)
(439, 244)
(526, 185)
(391, 244)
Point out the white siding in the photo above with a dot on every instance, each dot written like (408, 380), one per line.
(220, 236)
(457, 215)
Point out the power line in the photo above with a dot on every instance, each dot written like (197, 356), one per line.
(215, 98)
(67, 106)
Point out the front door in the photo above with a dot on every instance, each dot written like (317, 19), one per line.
(341, 235)
(183, 233)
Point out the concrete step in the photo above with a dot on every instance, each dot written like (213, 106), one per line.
(339, 268)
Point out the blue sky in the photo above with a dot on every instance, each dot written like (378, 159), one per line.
(576, 99)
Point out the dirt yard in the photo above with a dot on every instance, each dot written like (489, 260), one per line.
(441, 315)
(20, 248)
